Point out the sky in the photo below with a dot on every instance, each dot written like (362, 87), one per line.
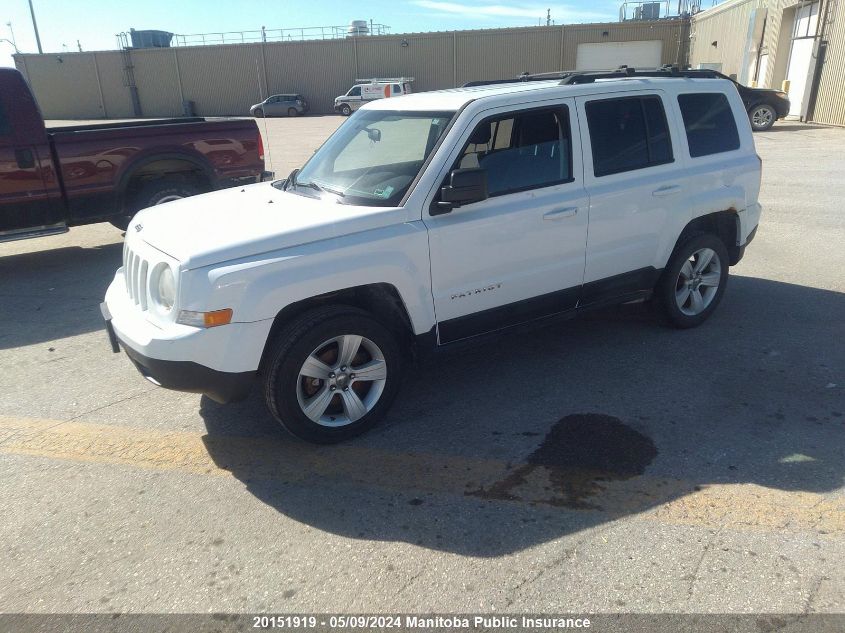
(94, 23)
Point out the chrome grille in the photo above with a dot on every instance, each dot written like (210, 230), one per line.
(135, 274)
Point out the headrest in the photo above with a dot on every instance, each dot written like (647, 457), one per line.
(481, 134)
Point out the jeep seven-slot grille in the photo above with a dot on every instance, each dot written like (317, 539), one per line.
(135, 273)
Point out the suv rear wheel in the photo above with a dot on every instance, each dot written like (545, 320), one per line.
(762, 116)
(693, 281)
(331, 374)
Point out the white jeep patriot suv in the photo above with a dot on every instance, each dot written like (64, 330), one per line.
(435, 218)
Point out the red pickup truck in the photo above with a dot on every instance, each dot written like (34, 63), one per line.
(51, 179)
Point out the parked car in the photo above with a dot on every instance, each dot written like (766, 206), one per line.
(764, 105)
(51, 179)
(369, 90)
(280, 105)
(434, 220)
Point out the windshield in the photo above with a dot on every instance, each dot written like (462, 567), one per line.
(373, 158)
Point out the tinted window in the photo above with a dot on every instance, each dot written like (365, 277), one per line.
(397, 89)
(523, 151)
(659, 141)
(5, 128)
(355, 92)
(628, 133)
(709, 122)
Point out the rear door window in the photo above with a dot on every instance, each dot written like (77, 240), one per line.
(709, 123)
(628, 133)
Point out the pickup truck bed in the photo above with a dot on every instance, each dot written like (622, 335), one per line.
(53, 178)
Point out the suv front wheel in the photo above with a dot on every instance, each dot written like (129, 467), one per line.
(693, 282)
(332, 374)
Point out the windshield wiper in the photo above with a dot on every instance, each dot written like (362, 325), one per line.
(313, 185)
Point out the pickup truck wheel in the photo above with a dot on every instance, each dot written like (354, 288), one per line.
(693, 281)
(332, 374)
(345, 110)
(157, 192)
(762, 117)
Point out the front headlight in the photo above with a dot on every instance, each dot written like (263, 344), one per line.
(165, 286)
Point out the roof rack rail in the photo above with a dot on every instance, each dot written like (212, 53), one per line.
(623, 72)
(568, 77)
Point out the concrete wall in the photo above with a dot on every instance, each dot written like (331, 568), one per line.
(227, 79)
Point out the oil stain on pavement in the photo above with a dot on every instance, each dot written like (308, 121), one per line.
(580, 454)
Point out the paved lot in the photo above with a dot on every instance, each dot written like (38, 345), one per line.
(604, 465)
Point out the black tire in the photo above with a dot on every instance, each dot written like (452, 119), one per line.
(762, 117)
(155, 192)
(292, 112)
(671, 284)
(345, 110)
(259, 113)
(293, 344)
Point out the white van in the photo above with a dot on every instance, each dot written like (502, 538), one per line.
(366, 90)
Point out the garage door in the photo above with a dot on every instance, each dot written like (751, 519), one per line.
(611, 55)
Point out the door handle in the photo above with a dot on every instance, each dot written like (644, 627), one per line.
(559, 214)
(668, 190)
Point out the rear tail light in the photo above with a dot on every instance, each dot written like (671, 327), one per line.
(260, 147)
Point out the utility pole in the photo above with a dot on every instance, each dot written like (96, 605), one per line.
(35, 26)
(79, 46)
(548, 17)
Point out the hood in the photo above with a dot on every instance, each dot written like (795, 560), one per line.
(233, 223)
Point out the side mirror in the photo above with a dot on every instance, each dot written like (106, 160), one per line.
(465, 187)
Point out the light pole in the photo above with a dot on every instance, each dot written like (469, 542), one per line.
(3, 39)
(35, 26)
(12, 35)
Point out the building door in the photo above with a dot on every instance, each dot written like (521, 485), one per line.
(611, 55)
(801, 57)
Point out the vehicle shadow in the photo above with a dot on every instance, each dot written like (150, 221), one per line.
(542, 434)
(53, 294)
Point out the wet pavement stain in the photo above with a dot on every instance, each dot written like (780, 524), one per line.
(579, 454)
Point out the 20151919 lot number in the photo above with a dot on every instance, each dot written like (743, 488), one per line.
(284, 621)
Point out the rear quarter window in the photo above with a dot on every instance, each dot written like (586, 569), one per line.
(709, 123)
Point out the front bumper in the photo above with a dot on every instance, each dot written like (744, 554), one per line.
(220, 362)
(188, 376)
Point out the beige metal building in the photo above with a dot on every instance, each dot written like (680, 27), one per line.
(227, 79)
(765, 42)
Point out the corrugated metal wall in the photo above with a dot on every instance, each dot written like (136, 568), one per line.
(830, 102)
(728, 23)
(227, 79)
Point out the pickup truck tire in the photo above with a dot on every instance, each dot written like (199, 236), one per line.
(345, 110)
(157, 192)
(762, 117)
(693, 282)
(331, 374)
